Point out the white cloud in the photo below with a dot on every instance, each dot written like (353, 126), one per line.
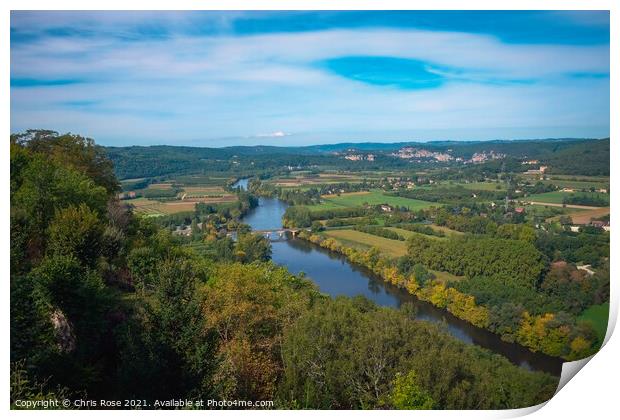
(274, 134)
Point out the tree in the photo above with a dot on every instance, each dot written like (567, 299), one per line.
(76, 231)
(296, 216)
(408, 395)
(421, 274)
(72, 151)
(317, 226)
(347, 353)
(251, 247)
(166, 350)
(249, 307)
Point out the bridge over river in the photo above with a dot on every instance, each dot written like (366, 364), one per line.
(279, 233)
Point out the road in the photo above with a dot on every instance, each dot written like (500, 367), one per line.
(568, 206)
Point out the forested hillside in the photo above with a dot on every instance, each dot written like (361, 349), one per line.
(565, 156)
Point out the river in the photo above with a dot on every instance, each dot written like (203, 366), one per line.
(335, 276)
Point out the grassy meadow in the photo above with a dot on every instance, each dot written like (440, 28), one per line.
(598, 315)
(361, 240)
(372, 197)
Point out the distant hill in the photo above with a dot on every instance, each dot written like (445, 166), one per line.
(571, 156)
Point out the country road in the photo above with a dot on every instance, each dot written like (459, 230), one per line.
(568, 206)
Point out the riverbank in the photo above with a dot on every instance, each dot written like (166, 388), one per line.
(337, 275)
(460, 305)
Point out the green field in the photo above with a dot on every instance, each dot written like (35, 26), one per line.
(185, 202)
(402, 232)
(598, 315)
(578, 185)
(446, 230)
(361, 240)
(486, 186)
(372, 197)
(557, 197)
(202, 180)
(407, 233)
(580, 178)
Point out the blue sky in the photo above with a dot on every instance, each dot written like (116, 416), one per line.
(296, 78)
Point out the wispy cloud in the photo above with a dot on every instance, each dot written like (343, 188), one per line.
(274, 134)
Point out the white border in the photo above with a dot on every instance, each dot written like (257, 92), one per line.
(591, 395)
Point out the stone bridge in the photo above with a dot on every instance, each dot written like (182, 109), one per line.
(267, 233)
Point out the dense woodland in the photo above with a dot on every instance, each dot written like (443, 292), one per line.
(156, 161)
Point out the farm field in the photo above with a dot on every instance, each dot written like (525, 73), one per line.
(407, 233)
(202, 180)
(598, 315)
(549, 212)
(208, 192)
(361, 240)
(402, 232)
(584, 217)
(578, 185)
(156, 208)
(486, 186)
(557, 197)
(305, 179)
(372, 197)
(579, 216)
(296, 187)
(161, 186)
(580, 178)
(446, 230)
(310, 182)
(558, 177)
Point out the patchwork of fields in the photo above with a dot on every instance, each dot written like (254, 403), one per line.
(302, 180)
(372, 197)
(212, 192)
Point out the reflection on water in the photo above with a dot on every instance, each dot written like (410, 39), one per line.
(335, 276)
(268, 214)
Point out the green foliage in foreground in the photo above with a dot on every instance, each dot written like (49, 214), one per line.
(349, 353)
(408, 395)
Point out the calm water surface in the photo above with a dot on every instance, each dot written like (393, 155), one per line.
(334, 275)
